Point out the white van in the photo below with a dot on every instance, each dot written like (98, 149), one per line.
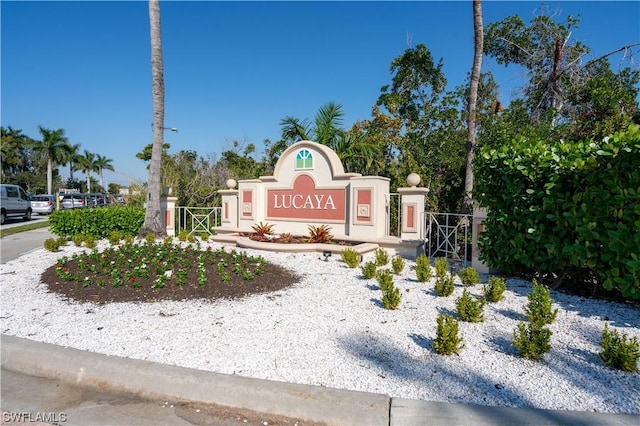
(14, 202)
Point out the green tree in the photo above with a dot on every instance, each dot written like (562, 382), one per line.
(152, 220)
(72, 156)
(103, 163)
(88, 164)
(53, 147)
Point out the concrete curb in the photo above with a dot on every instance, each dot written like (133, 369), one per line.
(312, 403)
(157, 381)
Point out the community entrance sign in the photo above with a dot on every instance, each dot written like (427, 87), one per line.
(309, 187)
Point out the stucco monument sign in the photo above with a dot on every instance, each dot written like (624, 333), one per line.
(309, 187)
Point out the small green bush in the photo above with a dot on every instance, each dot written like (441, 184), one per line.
(350, 257)
(183, 235)
(150, 238)
(167, 240)
(469, 276)
(62, 241)
(470, 309)
(78, 239)
(391, 297)
(618, 352)
(128, 239)
(539, 307)
(97, 222)
(382, 257)
(444, 286)
(447, 340)
(494, 289)
(385, 279)
(397, 264)
(423, 268)
(114, 237)
(89, 241)
(51, 244)
(532, 340)
(369, 270)
(442, 266)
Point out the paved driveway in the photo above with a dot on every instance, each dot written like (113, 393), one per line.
(13, 246)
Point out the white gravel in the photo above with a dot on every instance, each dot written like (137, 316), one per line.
(331, 330)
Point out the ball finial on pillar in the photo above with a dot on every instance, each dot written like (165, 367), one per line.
(413, 179)
(231, 183)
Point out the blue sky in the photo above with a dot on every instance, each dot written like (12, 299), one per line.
(233, 70)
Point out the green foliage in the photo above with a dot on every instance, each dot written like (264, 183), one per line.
(494, 289)
(183, 235)
(619, 352)
(442, 266)
(262, 229)
(447, 340)
(470, 309)
(444, 286)
(391, 297)
(539, 309)
(115, 237)
(89, 241)
(78, 239)
(397, 264)
(350, 257)
(51, 244)
(423, 268)
(385, 279)
(369, 269)
(97, 222)
(532, 340)
(382, 257)
(150, 238)
(469, 276)
(569, 209)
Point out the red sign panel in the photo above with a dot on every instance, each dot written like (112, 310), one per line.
(306, 202)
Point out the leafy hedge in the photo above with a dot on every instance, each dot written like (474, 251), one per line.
(97, 222)
(565, 209)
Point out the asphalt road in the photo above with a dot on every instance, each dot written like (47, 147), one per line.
(15, 245)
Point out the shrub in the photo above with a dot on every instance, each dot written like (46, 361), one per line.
(128, 239)
(391, 297)
(78, 239)
(114, 237)
(444, 286)
(97, 222)
(89, 241)
(447, 340)
(564, 208)
(350, 257)
(442, 265)
(150, 238)
(369, 270)
(469, 276)
(470, 309)
(539, 307)
(51, 244)
(320, 234)
(494, 289)
(385, 279)
(382, 257)
(397, 264)
(62, 241)
(532, 340)
(618, 352)
(423, 268)
(262, 230)
(183, 235)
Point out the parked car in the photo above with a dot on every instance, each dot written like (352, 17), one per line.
(75, 201)
(99, 199)
(14, 202)
(43, 203)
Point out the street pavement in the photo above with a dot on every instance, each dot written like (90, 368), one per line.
(50, 384)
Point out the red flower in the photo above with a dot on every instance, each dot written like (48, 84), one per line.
(131, 279)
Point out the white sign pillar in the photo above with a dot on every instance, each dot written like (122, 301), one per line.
(413, 202)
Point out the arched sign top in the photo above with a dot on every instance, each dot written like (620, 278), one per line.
(305, 155)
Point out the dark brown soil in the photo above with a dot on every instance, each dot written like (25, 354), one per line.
(101, 289)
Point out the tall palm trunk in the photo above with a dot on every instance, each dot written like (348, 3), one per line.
(152, 220)
(478, 41)
(49, 176)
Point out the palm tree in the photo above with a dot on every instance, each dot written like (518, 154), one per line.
(473, 99)
(152, 219)
(103, 163)
(88, 164)
(71, 158)
(54, 147)
(354, 151)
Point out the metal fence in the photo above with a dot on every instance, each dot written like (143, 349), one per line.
(198, 220)
(449, 235)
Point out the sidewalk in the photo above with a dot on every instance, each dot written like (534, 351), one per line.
(152, 381)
